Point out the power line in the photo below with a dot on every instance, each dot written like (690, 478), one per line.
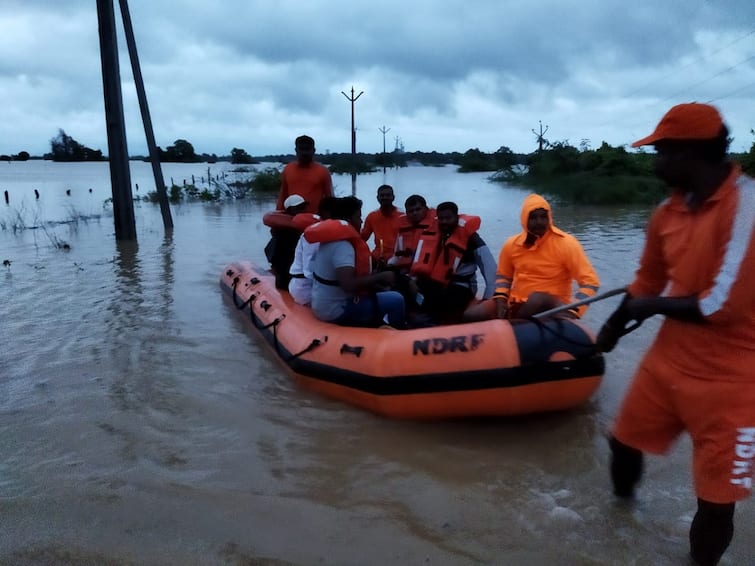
(693, 62)
(732, 93)
(687, 88)
(726, 70)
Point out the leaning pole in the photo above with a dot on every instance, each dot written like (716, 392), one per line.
(162, 193)
(120, 177)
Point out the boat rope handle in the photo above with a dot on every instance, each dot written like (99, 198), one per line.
(274, 323)
(312, 345)
(236, 284)
(356, 350)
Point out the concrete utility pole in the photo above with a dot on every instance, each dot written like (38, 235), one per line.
(120, 177)
(353, 99)
(157, 172)
(384, 130)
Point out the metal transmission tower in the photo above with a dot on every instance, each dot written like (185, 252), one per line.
(353, 99)
(384, 130)
(541, 141)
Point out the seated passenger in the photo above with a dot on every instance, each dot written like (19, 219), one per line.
(345, 291)
(538, 267)
(417, 219)
(300, 286)
(446, 262)
(283, 238)
(383, 223)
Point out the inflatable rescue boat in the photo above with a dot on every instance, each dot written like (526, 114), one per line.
(489, 368)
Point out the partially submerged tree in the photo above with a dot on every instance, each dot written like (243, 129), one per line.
(64, 148)
(240, 156)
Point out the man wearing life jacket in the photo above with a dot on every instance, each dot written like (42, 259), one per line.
(300, 286)
(383, 223)
(305, 177)
(538, 267)
(445, 265)
(345, 291)
(417, 219)
(698, 271)
(284, 237)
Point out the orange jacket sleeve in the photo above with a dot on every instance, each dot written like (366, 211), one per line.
(651, 276)
(504, 274)
(367, 229)
(731, 298)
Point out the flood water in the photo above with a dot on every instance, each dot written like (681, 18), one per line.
(142, 422)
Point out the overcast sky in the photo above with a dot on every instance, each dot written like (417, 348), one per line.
(445, 75)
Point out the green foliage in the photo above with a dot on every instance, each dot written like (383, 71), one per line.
(180, 152)
(64, 148)
(346, 163)
(241, 156)
(475, 160)
(607, 175)
(747, 160)
(267, 181)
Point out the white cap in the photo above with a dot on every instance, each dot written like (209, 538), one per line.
(293, 200)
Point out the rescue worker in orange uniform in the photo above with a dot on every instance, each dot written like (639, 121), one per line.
(537, 268)
(383, 223)
(697, 270)
(305, 177)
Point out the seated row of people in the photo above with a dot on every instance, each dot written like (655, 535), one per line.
(430, 275)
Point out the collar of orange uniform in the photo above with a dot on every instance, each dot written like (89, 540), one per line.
(678, 199)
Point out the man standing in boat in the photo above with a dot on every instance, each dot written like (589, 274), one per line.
(305, 177)
(284, 235)
(537, 268)
(383, 223)
(445, 265)
(697, 270)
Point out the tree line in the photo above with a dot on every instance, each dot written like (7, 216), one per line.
(604, 175)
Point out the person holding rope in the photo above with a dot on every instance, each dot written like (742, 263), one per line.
(698, 270)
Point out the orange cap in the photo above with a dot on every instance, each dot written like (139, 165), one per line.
(690, 121)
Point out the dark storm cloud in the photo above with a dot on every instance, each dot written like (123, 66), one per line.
(233, 71)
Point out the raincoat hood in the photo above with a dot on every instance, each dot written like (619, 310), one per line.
(533, 202)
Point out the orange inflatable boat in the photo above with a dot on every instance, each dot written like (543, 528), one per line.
(488, 368)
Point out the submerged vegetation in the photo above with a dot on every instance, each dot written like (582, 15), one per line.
(607, 175)
(244, 182)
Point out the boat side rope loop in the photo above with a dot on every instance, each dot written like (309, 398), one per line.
(312, 345)
(234, 285)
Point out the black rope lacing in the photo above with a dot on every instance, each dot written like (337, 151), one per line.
(312, 345)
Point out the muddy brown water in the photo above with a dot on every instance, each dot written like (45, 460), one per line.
(141, 422)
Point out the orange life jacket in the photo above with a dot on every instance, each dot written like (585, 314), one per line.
(303, 220)
(408, 237)
(337, 230)
(437, 259)
(278, 219)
